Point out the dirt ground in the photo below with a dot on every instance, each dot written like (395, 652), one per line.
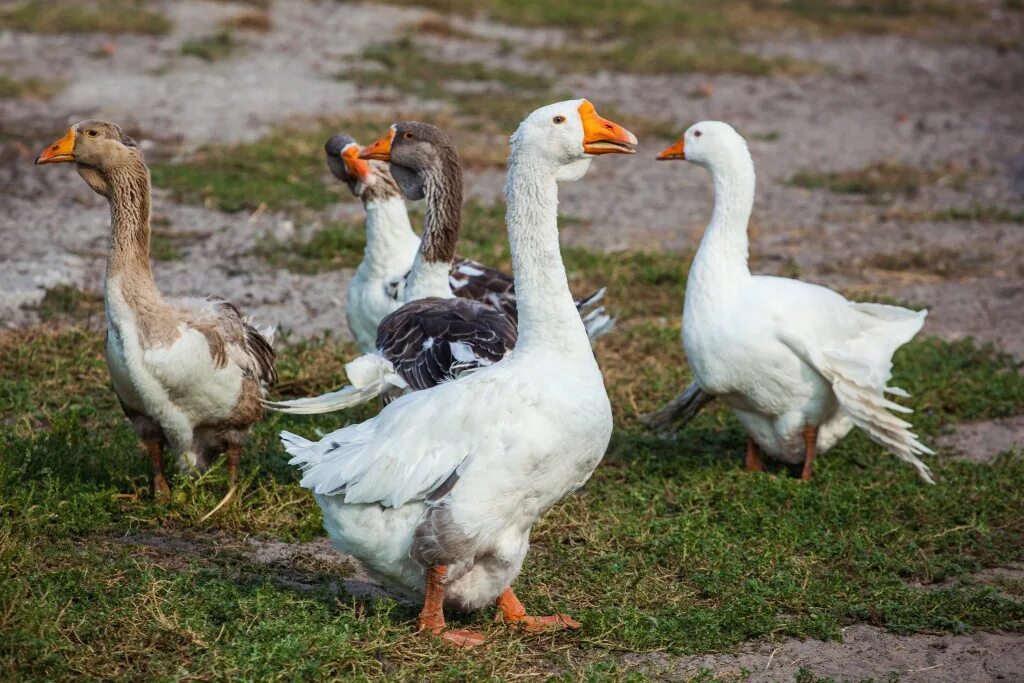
(880, 98)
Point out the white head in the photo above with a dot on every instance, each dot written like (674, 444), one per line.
(567, 135)
(708, 144)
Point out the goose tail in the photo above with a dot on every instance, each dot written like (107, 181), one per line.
(370, 375)
(668, 420)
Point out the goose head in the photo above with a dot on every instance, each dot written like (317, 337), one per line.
(708, 144)
(567, 135)
(99, 149)
(415, 152)
(342, 152)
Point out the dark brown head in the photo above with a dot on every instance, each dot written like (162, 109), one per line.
(100, 149)
(418, 153)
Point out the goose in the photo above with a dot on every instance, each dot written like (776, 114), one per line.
(391, 244)
(433, 337)
(797, 363)
(378, 287)
(188, 374)
(436, 495)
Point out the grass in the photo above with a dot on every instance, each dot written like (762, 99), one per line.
(66, 302)
(210, 48)
(652, 36)
(981, 213)
(334, 246)
(941, 261)
(669, 546)
(880, 178)
(71, 16)
(34, 88)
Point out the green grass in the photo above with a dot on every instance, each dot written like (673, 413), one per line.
(653, 36)
(880, 178)
(74, 16)
(28, 87)
(281, 171)
(982, 213)
(336, 245)
(210, 48)
(670, 546)
(67, 302)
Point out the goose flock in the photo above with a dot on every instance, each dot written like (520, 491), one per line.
(493, 405)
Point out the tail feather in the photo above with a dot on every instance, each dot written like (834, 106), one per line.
(679, 411)
(591, 299)
(370, 375)
(869, 410)
(597, 324)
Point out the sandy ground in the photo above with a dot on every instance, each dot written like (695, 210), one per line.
(928, 104)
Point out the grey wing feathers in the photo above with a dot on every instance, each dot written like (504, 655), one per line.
(431, 340)
(239, 338)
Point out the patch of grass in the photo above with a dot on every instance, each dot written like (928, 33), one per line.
(881, 178)
(334, 246)
(281, 171)
(73, 16)
(67, 302)
(652, 36)
(210, 48)
(35, 88)
(981, 213)
(936, 261)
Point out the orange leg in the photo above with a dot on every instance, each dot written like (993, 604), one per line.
(810, 450)
(513, 612)
(432, 615)
(161, 490)
(754, 462)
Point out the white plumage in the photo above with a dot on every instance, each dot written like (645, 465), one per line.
(785, 355)
(456, 475)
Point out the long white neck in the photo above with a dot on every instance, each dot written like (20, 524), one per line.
(391, 244)
(721, 259)
(548, 319)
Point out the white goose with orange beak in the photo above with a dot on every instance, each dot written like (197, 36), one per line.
(799, 365)
(437, 494)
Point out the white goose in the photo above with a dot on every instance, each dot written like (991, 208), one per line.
(391, 245)
(798, 364)
(436, 495)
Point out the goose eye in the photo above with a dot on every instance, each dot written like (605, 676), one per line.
(407, 136)
(559, 119)
(696, 133)
(92, 133)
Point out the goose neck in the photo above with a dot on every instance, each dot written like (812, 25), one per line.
(129, 198)
(442, 221)
(548, 319)
(724, 248)
(390, 242)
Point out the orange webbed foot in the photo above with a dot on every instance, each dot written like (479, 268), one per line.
(533, 624)
(462, 637)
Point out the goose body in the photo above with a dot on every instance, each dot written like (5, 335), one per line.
(188, 374)
(797, 363)
(437, 494)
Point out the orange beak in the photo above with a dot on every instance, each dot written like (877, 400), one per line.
(62, 150)
(380, 149)
(674, 151)
(601, 136)
(355, 166)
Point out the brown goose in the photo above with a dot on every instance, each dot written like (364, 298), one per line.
(188, 374)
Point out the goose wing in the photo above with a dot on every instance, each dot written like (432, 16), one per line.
(431, 340)
(232, 335)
